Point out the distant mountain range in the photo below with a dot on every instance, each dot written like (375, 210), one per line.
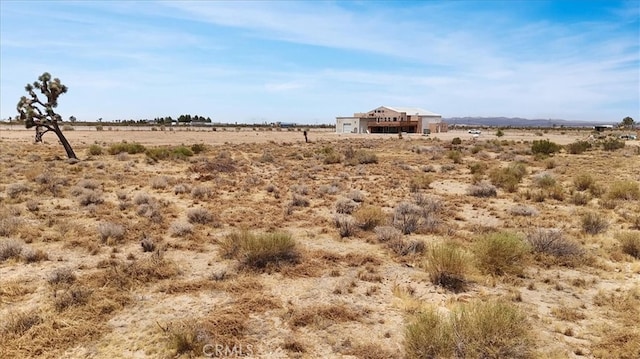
(519, 122)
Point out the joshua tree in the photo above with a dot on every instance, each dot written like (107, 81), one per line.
(41, 115)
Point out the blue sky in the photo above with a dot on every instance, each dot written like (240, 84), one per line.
(310, 61)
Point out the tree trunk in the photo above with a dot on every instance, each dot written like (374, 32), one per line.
(63, 140)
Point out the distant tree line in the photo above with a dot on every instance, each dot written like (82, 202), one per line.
(182, 119)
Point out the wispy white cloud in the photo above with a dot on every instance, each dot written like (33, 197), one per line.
(144, 59)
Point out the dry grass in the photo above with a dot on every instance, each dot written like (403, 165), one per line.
(154, 294)
(475, 330)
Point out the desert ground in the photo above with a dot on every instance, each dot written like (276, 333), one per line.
(182, 243)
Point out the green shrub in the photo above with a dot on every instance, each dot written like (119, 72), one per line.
(474, 330)
(501, 253)
(509, 177)
(499, 133)
(198, 148)
(544, 147)
(422, 181)
(455, 156)
(624, 190)
(456, 141)
(130, 148)
(612, 144)
(167, 153)
(447, 266)
(544, 180)
(578, 147)
(95, 150)
(478, 168)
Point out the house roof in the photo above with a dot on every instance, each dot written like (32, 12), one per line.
(412, 111)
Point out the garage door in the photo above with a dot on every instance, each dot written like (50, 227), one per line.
(347, 128)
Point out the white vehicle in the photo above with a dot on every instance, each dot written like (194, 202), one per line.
(475, 132)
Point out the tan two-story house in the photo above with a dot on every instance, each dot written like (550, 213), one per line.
(386, 119)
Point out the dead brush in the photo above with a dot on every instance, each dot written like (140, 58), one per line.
(482, 189)
(17, 323)
(369, 217)
(554, 243)
(10, 248)
(323, 315)
(406, 247)
(346, 206)
(629, 243)
(387, 233)
(111, 233)
(406, 217)
(62, 276)
(200, 215)
(75, 295)
(346, 225)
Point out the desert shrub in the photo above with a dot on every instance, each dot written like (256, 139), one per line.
(9, 225)
(473, 330)
(429, 335)
(180, 229)
(578, 147)
(483, 189)
(583, 182)
(10, 248)
(259, 251)
(501, 253)
(509, 177)
(159, 182)
(346, 225)
(89, 197)
(109, 230)
(197, 148)
(95, 150)
(387, 233)
(31, 255)
(492, 330)
(421, 181)
(544, 180)
(404, 247)
(130, 148)
(222, 162)
(593, 223)
(356, 196)
(168, 153)
(327, 189)
(63, 275)
(499, 133)
(17, 323)
(630, 243)
(299, 201)
(478, 168)
(553, 242)
(201, 192)
(362, 157)
(332, 158)
(544, 147)
(148, 244)
(346, 206)
(456, 141)
(523, 210)
(612, 144)
(447, 266)
(406, 217)
(369, 217)
(624, 190)
(580, 198)
(33, 205)
(181, 188)
(199, 215)
(74, 296)
(16, 189)
(455, 156)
